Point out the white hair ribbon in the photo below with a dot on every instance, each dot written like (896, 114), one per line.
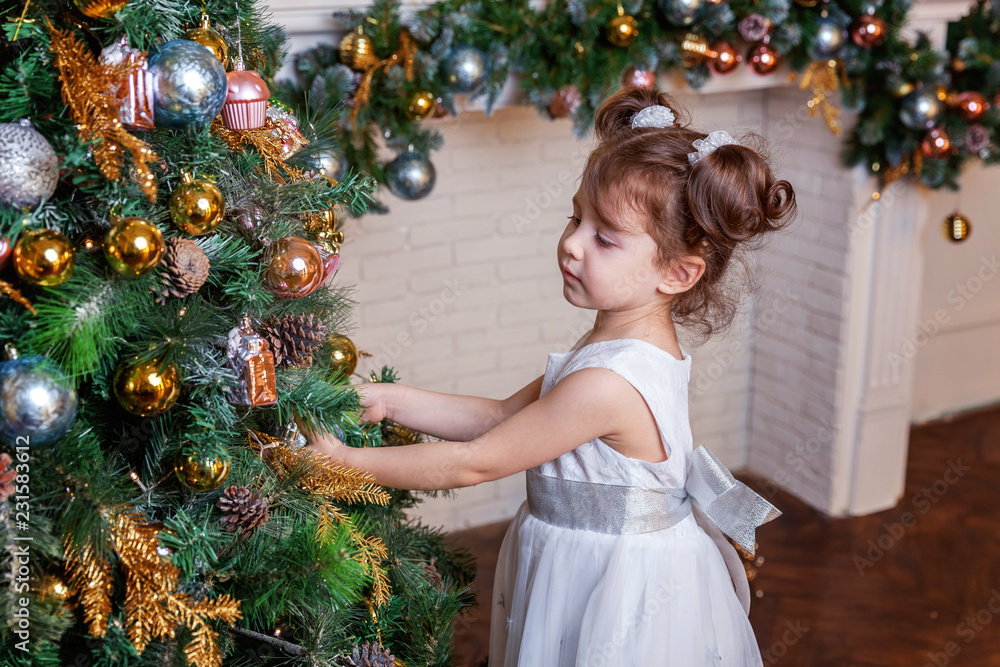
(708, 145)
(653, 116)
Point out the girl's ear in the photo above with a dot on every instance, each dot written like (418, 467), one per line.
(682, 274)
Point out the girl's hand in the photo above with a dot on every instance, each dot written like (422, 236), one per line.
(374, 401)
(326, 443)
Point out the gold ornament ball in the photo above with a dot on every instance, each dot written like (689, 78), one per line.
(99, 9)
(357, 50)
(420, 106)
(133, 246)
(197, 207)
(208, 38)
(44, 257)
(343, 356)
(200, 472)
(147, 388)
(956, 227)
(622, 30)
(296, 268)
(53, 587)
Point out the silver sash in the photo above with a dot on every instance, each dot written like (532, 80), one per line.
(720, 503)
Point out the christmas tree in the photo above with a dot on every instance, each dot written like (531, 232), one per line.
(174, 318)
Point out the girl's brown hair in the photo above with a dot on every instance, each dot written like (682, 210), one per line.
(714, 209)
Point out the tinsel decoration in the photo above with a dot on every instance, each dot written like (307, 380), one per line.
(565, 102)
(367, 655)
(294, 338)
(16, 295)
(6, 477)
(824, 77)
(186, 268)
(155, 609)
(88, 88)
(403, 56)
(242, 509)
(270, 142)
(317, 475)
(332, 482)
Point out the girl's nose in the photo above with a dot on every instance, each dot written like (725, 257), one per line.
(572, 245)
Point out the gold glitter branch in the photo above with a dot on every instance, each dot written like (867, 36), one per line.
(824, 77)
(153, 606)
(87, 88)
(334, 481)
(91, 576)
(270, 142)
(371, 550)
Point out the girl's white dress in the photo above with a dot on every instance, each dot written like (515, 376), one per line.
(569, 597)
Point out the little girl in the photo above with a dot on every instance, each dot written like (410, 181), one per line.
(616, 557)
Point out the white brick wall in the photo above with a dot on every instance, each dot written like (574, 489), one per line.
(490, 227)
(797, 366)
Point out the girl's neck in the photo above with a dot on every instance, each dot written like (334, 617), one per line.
(650, 326)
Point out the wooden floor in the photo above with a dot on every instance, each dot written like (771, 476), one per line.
(914, 586)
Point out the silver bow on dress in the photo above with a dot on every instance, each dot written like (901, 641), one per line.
(705, 147)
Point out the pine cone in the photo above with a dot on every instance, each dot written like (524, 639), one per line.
(754, 27)
(6, 477)
(394, 435)
(243, 508)
(368, 655)
(294, 338)
(565, 103)
(186, 266)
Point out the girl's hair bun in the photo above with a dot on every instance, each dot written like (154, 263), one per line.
(615, 115)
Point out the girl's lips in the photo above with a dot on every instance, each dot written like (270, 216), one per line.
(569, 275)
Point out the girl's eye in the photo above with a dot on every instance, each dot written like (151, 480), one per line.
(603, 241)
(575, 220)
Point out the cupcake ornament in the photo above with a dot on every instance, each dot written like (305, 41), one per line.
(246, 100)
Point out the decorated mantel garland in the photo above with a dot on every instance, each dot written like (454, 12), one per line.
(921, 113)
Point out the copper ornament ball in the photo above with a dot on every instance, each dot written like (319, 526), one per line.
(640, 78)
(763, 58)
(868, 31)
(295, 269)
(133, 246)
(971, 105)
(726, 59)
(44, 257)
(147, 388)
(936, 145)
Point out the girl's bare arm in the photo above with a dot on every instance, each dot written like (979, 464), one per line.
(446, 416)
(586, 404)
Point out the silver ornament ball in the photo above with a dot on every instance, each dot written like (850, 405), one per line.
(37, 404)
(331, 163)
(831, 37)
(682, 12)
(921, 109)
(189, 84)
(464, 69)
(411, 175)
(29, 168)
